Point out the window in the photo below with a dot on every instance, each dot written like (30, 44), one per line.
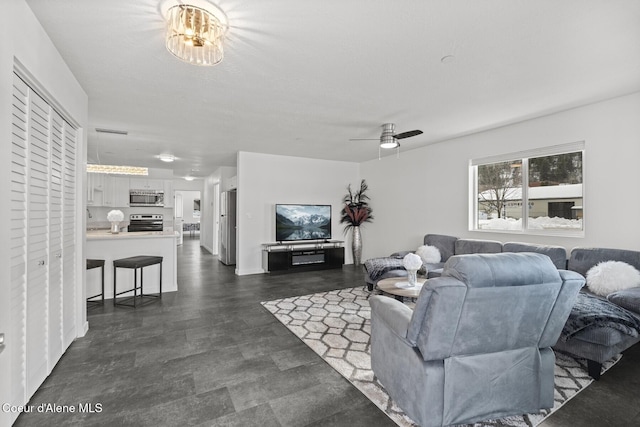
(538, 191)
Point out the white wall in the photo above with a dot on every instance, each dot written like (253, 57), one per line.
(427, 189)
(264, 180)
(22, 37)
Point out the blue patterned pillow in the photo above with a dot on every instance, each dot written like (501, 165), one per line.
(627, 298)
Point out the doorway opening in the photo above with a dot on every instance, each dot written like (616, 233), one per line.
(187, 214)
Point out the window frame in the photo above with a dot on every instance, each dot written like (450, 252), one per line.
(524, 157)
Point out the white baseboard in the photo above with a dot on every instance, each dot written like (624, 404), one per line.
(248, 272)
(209, 249)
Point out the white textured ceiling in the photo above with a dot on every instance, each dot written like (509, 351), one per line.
(300, 78)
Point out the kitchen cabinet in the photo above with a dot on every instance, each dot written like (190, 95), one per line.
(107, 190)
(146, 184)
(121, 192)
(95, 188)
(116, 192)
(168, 194)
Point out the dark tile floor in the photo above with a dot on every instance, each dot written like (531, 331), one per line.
(210, 355)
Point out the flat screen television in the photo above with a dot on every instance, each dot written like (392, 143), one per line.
(303, 222)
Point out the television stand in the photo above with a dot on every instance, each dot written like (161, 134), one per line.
(291, 257)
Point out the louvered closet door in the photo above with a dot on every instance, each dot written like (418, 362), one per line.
(37, 332)
(69, 278)
(18, 240)
(43, 233)
(55, 240)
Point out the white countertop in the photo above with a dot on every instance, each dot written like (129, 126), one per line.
(106, 235)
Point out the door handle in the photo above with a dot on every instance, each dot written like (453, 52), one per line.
(2, 343)
(41, 262)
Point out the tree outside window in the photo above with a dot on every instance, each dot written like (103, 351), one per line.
(498, 183)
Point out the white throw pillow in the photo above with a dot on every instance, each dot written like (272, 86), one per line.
(611, 276)
(429, 254)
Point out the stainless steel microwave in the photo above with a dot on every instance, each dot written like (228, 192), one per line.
(146, 198)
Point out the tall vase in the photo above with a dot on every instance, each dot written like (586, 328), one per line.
(115, 227)
(412, 276)
(356, 246)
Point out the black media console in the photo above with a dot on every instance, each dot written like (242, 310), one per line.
(302, 256)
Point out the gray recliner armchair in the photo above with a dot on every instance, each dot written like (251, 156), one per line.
(477, 346)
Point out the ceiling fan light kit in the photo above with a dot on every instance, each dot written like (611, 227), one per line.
(195, 35)
(388, 141)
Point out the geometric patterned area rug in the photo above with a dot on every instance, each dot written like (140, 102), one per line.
(336, 325)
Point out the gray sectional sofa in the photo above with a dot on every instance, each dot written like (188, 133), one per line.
(450, 245)
(596, 342)
(601, 343)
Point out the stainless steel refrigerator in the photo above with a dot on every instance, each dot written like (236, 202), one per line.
(228, 227)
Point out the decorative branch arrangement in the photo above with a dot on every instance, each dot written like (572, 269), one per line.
(356, 210)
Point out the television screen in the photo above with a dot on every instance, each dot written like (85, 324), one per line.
(303, 222)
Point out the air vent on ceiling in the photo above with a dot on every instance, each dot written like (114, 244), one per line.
(114, 131)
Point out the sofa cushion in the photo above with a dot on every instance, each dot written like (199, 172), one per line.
(611, 276)
(601, 336)
(558, 254)
(476, 246)
(444, 243)
(627, 298)
(429, 254)
(582, 259)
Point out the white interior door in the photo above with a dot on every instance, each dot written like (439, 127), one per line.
(179, 213)
(42, 293)
(55, 240)
(37, 243)
(69, 279)
(12, 360)
(216, 218)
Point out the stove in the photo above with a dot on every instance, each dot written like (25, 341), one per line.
(145, 222)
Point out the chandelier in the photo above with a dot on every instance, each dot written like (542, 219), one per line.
(195, 35)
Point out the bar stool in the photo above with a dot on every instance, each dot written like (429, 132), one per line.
(136, 262)
(95, 263)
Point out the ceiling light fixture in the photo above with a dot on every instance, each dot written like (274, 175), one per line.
(167, 157)
(388, 141)
(388, 138)
(189, 178)
(120, 170)
(195, 35)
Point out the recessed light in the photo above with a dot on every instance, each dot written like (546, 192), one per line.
(167, 157)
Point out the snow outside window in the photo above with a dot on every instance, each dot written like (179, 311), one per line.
(538, 191)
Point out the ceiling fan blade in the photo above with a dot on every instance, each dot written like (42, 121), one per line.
(408, 134)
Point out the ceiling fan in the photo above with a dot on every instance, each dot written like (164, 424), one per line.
(388, 138)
